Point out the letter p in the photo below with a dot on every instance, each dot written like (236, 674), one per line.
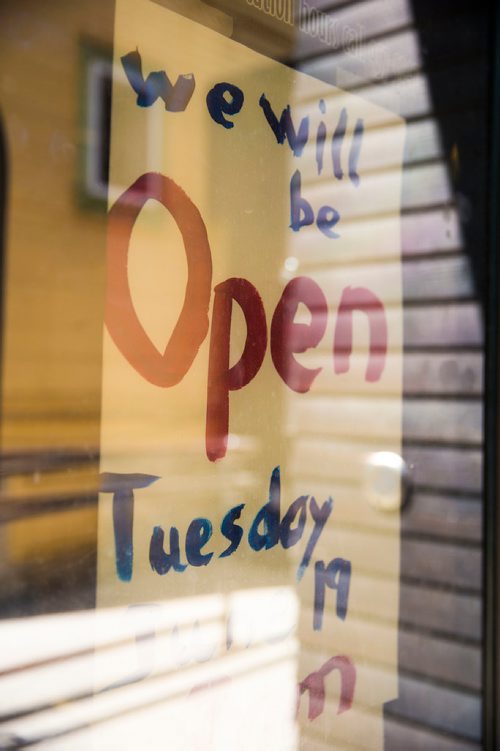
(221, 377)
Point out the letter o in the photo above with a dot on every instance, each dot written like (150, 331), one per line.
(121, 319)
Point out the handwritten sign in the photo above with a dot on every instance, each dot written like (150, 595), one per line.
(250, 333)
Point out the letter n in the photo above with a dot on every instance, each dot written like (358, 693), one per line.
(315, 684)
(365, 301)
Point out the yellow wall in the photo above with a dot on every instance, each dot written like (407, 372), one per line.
(54, 270)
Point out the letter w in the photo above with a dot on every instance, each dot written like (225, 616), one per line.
(157, 84)
(284, 127)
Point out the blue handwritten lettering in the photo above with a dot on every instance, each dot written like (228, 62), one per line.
(160, 561)
(198, 534)
(232, 531)
(337, 575)
(218, 104)
(122, 486)
(284, 127)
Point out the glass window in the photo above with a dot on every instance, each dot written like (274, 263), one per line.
(248, 388)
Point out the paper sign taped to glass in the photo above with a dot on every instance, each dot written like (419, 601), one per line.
(251, 414)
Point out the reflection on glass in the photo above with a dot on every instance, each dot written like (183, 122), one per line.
(226, 470)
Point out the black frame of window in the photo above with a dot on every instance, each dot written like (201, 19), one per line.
(491, 559)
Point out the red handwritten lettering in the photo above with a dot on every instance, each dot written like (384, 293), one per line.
(315, 684)
(221, 378)
(126, 330)
(288, 337)
(361, 299)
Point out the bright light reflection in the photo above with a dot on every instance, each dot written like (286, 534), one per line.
(207, 667)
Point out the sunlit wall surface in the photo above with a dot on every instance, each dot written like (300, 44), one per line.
(244, 253)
